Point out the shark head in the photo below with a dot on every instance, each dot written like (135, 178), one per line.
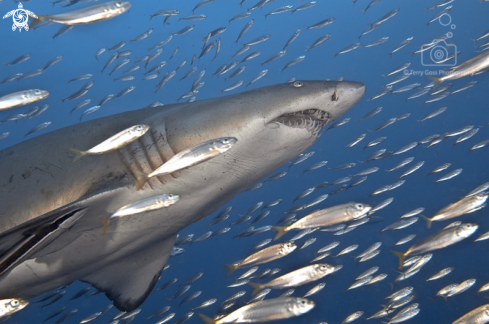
(272, 124)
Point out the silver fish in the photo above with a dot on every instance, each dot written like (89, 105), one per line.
(258, 76)
(413, 212)
(322, 23)
(406, 148)
(356, 140)
(406, 239)
(251, 56)
(86, 15)
(38, 127)
(319, 41)
(22, 98)
(403, 223)
(184, 30)
(349, 48)
(412, 169)
(294, 62)
(450, 175)
(467, 135)
(439, 240)
(480, 145)
(385, 90)
(376, 42)
(402, 164)
(403, 44)
(245, 29)
(371, 114)
(434, 114)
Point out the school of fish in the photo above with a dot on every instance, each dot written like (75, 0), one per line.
(318, 226)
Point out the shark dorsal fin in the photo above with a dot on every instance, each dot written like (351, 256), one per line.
(129, 280)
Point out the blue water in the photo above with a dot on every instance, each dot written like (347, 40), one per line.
(367, 65)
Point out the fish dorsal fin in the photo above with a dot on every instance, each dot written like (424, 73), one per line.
(129, 280)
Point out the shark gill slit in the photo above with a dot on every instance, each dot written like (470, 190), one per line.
(146, 154)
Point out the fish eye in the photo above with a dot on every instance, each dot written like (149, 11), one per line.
(298, 84)
(118, 3)
(303, 302)
(38, 92)
(14, 303)
(359, 206)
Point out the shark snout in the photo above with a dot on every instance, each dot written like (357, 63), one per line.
(354, 90)
(344, 96)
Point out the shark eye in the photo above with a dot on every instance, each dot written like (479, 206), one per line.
(298, 84)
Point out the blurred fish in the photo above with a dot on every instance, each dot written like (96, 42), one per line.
(296, 278)
(349, 48)
(439, 240)
(326, 217)
(18, 60)
(86, 15)
(263, 311)
(322, 23)
(38, 128)
(465, 205)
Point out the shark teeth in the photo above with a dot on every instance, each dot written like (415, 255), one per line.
(311, 119)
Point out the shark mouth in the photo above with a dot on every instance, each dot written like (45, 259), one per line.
(311, 119)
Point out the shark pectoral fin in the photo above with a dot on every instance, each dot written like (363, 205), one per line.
(129, 280)
(25, 241)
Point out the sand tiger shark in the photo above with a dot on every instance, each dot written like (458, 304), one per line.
(51, 208)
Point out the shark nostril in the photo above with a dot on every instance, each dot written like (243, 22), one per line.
(335, 96)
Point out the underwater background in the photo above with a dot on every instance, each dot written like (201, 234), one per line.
(466, 21)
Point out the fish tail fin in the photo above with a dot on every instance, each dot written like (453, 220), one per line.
(428, 220)
(436, 80)
(401, 257)
(280, 231)
(392, 285)
(141, 178)
(256, 288)
(78, 154)
(205, 319)
(36, 21)
(105, 221)
(231, 268)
